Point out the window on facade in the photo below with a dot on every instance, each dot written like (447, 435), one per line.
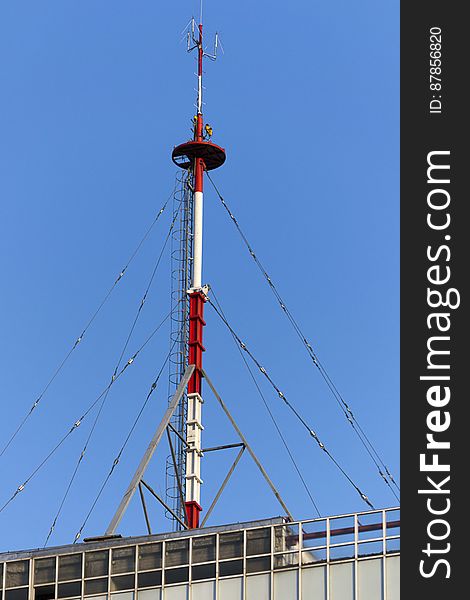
(123, 582)
(231, 545)
(44, 592)
(70, 567)
(69, 590)
(258, 541)
(231, 567)
(96, 563)
(285, 538)
(123, 560)
(150, 557)
(21, 594)
(44, 570)
(203, 549)
(203, 572)
(263, 563)
(176, 575)
(284, 561)
(177, 553)
(17, 573)
(149, 579)
(96, 586)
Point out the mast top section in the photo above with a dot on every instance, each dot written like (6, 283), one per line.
(195, 42)
(200, 147)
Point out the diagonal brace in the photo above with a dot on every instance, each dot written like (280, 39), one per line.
(224, 483)
(164, 504)
(144, 506)
(248, 447)
(175, 466)
(149, 452)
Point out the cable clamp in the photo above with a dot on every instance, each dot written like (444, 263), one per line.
(319, 442)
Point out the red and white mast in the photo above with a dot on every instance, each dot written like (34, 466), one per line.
(198, 155)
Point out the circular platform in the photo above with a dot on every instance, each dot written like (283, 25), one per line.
(212, 155)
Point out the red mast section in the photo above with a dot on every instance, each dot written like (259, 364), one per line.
(197, 155)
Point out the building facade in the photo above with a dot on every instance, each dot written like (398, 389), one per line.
(345, 557)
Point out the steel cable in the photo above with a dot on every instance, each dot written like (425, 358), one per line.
(283, 397)
(273, 419)
(116, 461)
(118, 364)
(346, 409)
(85, 329)
(79, 421)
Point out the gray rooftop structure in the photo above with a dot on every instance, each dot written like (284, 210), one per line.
(344, 557)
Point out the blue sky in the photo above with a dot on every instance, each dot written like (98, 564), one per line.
(305, 100)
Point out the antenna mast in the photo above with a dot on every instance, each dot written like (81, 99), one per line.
(196, 156)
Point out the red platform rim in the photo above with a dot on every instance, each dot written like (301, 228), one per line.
(212, 155)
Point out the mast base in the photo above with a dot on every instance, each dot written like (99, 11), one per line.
(193, 510)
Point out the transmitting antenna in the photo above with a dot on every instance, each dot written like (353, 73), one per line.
(195, 157)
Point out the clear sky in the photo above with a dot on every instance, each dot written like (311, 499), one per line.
(94, 95)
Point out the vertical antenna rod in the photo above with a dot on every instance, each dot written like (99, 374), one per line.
(197, 155)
